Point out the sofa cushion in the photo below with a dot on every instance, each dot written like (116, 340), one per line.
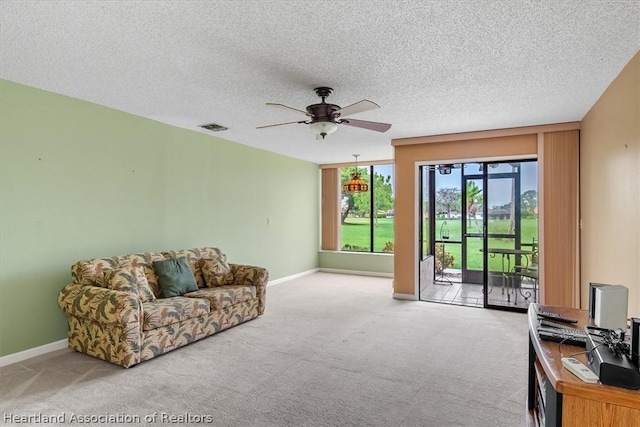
(216, 271)
(91, 272)
(225, 296)
(175, 277)
(166, 311)
(197, 272)
(145, 261)
(131, 280)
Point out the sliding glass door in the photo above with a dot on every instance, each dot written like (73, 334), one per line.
(512, 231)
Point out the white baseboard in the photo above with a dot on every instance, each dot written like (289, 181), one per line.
(356, 272)
(293, 276)
(33, 352)
(410, 297)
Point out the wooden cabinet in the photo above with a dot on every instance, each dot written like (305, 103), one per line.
(557, 398)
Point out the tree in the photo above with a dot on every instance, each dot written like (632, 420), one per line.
(383, 193)
(349, 199)
(529, 200)
(474, 192)
(360, 203)
(447, 200)
(474, 202)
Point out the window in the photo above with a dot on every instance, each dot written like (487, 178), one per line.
(366, 219)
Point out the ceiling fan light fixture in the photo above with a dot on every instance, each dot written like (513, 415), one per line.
(323, 129)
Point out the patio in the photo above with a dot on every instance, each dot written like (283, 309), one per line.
(451, 290)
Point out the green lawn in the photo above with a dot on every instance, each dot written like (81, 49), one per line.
(529, 229)
(356, 233)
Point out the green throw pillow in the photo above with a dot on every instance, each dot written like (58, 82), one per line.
(175, 277)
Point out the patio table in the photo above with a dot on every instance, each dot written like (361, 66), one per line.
(506, 253)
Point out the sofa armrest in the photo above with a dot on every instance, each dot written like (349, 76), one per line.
(254, 276)
(100, 304)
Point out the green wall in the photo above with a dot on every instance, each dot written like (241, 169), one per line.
(78, 180)
(354, 261)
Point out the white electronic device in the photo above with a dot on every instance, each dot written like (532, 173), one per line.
(579, 370)
(608, 305)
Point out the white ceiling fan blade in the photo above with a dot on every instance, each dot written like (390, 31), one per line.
(378, 127)
(286, 107)
(358, 107)
(279, 124)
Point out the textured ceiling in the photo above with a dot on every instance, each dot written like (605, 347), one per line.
(434, 67)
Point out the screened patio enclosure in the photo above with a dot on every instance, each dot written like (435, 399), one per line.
(479, 233)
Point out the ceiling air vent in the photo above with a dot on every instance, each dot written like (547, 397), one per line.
(213, 127)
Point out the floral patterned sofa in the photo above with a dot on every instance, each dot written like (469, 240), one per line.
(126, 328)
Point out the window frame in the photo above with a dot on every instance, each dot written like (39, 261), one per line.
(370, 181)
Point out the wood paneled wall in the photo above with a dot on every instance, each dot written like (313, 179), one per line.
(559, 174)
(330, 211)
(407, 156)
(557, 149)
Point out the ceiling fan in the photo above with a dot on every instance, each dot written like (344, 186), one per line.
(324, 118)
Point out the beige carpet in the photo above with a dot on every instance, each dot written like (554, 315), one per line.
(331, 350)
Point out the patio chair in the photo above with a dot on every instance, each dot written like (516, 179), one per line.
(528, 273)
